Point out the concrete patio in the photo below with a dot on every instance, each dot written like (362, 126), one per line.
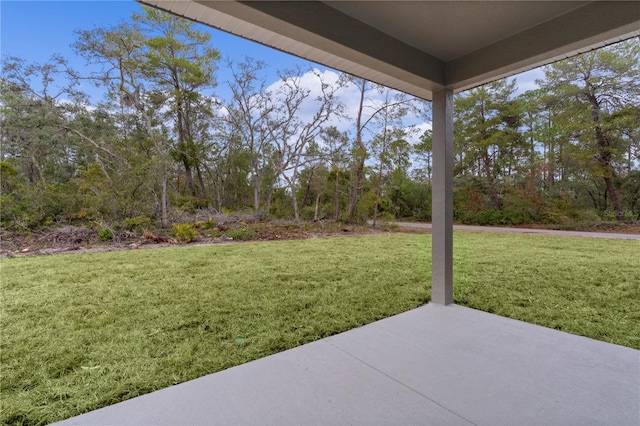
(430, 366)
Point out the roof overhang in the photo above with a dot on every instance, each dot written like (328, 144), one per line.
(422, 46)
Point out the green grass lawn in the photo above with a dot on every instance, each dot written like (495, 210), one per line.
(84, 331)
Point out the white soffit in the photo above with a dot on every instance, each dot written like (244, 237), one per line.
(421, 46)
(468, 25)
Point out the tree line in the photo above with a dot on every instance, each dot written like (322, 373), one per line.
(161, 143)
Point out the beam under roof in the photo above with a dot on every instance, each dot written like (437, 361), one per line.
(360, 38)
(588, 27)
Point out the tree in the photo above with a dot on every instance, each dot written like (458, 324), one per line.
(180, 65)
(486, 128)
(371, 113)
(247, 116)
(119, 50)
(360, 150)
(335, 153)
(593, 87)
(229, 170)
(390, 118)
(313, 178)
(38, 100)
(423, 151)
(292, 134)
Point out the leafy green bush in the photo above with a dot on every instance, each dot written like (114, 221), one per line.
(308, 212)
(9, 209)
(553, 216)
(184, 232)
(386, 217)
(136, 224)
(189, 203)
(589, 216)
(518, 208)
(244, 234)
(105, 234)
(364, 208)
(214, 233)
(42, 204)
(480, 217)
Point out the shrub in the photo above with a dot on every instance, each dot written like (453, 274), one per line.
(105, 234)
(243, 234)
(136, 224)
(489, 217)
(589, 216)
(214, 233)
(190, 204)
(480, 217)
(386, 217)
(519, 209)
(423, 214)
(308, 212)
(184, 232)
(209, 224)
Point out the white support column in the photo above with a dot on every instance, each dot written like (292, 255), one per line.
(442, 201)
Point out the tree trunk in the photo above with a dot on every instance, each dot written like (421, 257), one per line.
(163, 160)
(315, 211)
(188, 175)
(604, 156)
(308, 188)
(203, 189)
(379, 183)
(269, 199)
(551, 161)
(336, 197)
(354, 196)
(294, 199)
(182, 142)
(256, 194)
(491, 181)
(613, 193)
(163, 200)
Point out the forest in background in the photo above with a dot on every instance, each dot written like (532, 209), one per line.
(161, 146)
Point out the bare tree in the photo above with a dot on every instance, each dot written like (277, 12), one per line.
(396, 104)
(291, 134)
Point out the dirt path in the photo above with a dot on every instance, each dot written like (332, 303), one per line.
(414, 225)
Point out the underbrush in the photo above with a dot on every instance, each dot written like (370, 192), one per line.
(141, 230)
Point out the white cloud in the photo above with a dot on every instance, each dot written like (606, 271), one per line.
(527, 80)
(418, 131)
